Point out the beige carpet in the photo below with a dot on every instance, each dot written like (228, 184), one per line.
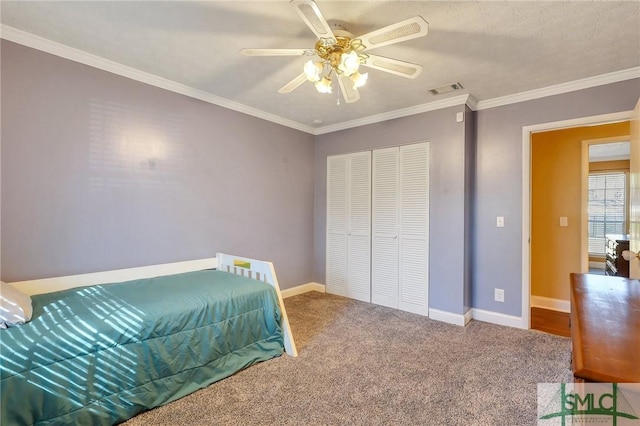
(364, 364)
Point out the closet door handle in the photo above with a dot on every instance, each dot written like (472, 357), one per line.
(387, 236)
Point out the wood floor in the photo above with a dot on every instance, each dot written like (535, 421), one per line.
(550, 321)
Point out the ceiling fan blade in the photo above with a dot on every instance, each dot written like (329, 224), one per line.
(395, 33)
(349, 93)
(277, 52)
(393, 66)
(293, 84)
(311, 15)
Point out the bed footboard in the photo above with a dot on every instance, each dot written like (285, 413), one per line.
(262, 271)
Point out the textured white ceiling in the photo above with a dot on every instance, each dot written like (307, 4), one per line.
(493, 48)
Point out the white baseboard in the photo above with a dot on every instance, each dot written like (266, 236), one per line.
(478, 315)
(468, 316)
(450, 318)
(498, 318)
(549, 303)
(303, 288)
(434, 314)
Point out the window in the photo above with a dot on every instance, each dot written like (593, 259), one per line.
(607, 206)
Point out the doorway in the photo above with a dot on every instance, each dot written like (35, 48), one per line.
(527, 133)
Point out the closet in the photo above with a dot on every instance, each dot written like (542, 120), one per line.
(378, 226)
(348, 271)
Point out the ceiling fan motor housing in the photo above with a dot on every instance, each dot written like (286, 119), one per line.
(333, 53)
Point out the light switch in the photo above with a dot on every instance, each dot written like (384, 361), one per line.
(564, 221)
(500, 221)
(460, 117)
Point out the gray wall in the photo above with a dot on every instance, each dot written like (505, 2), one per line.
(100, 172)
(472, 194)
(498, 251)
(469, 201)
(447, 192)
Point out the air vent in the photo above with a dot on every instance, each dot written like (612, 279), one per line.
(445, 89)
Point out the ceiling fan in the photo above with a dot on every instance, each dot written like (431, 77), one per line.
(341, 54)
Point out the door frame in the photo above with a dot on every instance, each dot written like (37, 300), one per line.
(527, 131)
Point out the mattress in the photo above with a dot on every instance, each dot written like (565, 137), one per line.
(102, 354)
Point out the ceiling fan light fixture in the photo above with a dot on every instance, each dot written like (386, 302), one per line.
(349, 63)
(324, 85)
(312, 70)
(358, 79)
(341, 54)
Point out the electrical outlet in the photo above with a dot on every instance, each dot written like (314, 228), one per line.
(499, 295)
(500, 221)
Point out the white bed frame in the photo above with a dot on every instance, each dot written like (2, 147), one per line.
(255, 269)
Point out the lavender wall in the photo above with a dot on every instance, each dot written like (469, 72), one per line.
(100, 172)
(472, 194)
(470, 136)
(498, 251)
(447, 193)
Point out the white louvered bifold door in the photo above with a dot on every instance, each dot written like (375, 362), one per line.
(359, 226)
(384, 227)
(336, 266)
(414, 228)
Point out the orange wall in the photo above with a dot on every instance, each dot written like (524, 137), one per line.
(556, 191)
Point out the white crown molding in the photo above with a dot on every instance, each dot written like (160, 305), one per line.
(48, 46)
(585, 83)
(399, 113)
(30, 40)
(472, 103)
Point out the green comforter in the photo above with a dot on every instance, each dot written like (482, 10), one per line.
(102, 354)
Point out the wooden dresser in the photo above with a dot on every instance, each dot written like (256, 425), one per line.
(615, 265)
(605, 328)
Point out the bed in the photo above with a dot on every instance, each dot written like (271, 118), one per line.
(97, 353)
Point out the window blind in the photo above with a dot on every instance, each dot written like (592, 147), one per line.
(606, 209)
